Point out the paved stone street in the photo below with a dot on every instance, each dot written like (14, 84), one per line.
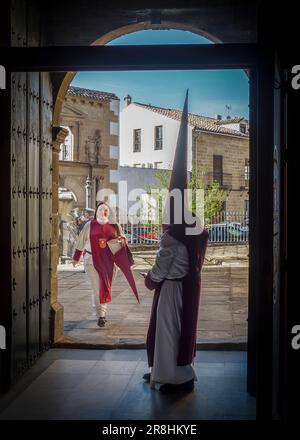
(223, 306)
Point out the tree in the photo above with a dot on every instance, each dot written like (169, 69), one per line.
(213, 201)
(213, 193)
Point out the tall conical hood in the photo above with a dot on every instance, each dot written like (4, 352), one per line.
(179, 180)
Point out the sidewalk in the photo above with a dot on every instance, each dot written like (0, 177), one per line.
(222, 314)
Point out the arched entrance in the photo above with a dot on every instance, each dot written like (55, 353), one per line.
(110, 36)
(27, 88)
(61, 134)
(67, 86)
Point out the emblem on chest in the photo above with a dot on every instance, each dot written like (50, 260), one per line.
(102, 242)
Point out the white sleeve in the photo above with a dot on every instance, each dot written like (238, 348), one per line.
(163, 263)
(84, 237)
(121, 230)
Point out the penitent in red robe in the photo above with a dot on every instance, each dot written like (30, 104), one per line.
(104, 260)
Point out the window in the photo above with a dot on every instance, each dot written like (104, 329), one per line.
(247, 169)
(246, 207)
(243, 128)
(158, 137)
(66, 150)
(137, 140)
(157, 164)
(218, 169)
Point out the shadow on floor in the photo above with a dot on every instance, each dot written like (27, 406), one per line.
(107, 385)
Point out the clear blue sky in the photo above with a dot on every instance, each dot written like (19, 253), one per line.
(209, 90)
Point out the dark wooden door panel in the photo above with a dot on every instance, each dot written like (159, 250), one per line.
(18, 223)
(31, 207)
(33, 170)
(19, 314)
(45, 206)
(28, 134)
(18, 23)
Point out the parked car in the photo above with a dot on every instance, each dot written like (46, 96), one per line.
(131, 238)
(227, 231)
(238, 230)
(143, 235)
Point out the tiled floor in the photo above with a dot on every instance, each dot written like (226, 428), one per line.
(108, 384)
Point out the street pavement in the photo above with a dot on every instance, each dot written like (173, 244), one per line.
(222, 312)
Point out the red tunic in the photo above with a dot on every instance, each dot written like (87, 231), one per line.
(102, 256)
(104, 260)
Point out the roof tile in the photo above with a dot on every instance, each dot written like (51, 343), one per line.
(197, 121)
(90, 94)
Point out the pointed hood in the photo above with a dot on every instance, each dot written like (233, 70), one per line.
(175, 202)
(179, 172)
(178, 219)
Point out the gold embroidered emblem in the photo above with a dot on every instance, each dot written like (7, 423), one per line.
(102, 242)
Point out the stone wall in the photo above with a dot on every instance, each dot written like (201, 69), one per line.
(234, 150)
(94, 126)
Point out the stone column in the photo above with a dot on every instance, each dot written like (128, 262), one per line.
(71, 128)
(59, 135)
(88, 192)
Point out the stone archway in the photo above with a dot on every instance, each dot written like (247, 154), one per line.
(104, 39)
(60, 134)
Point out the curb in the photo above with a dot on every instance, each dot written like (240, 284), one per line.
(218, 345)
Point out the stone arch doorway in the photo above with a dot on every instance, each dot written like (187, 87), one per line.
(60, 136)
(61, 90)
(110, 36)
(262, 99)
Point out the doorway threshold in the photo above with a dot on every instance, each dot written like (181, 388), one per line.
(238, 344)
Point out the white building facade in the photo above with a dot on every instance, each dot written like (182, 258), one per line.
(148, 134)
(217, 147)
(148, 139)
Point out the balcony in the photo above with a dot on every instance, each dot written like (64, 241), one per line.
(244, 182)
(224, 179)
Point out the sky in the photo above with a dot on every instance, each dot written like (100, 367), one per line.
(210, 91)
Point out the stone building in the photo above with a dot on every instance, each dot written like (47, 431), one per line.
(218, 147)
(225, 159)
(90, 151)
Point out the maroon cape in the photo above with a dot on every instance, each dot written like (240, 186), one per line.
(191, 285)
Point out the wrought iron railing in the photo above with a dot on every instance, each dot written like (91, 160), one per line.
(226, 227)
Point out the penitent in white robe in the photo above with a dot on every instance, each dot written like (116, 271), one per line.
(172, 261)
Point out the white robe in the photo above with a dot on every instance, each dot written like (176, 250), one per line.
(172, 261)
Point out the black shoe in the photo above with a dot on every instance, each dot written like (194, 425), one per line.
(101, 321)
(146, 377)
(185, 387)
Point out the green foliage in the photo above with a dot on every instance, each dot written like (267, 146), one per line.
(214, 195)
(213, 201)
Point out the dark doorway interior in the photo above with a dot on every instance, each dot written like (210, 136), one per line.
(261, 322)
